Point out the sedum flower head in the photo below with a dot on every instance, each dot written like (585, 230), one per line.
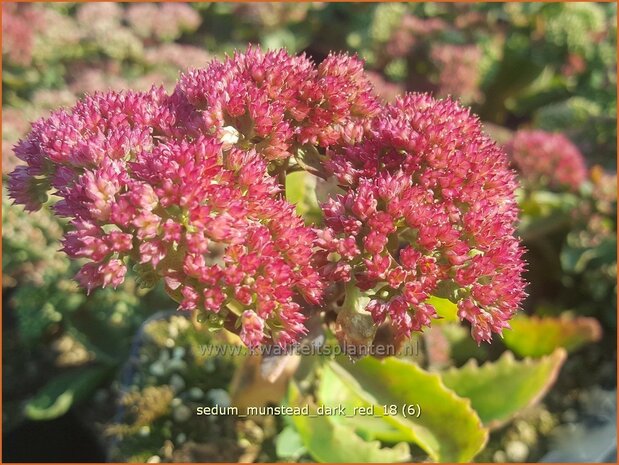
(187, 188)
(548, 159)
(276, 102)
(428, 210)
(207, 220)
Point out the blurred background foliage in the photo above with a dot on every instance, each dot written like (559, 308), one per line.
(137, 373)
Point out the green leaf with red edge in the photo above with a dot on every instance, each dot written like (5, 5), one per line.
(334, 391)
(533, 336)
(328, 441)
(499, 390)
(447, 428)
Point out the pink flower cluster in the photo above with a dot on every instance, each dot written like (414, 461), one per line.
(162, 21)
(187, 188)
(548, 159)
(276, 103)
(459, 71)
(411, 33)
(20, 24)
(209, 221)
(428, 209)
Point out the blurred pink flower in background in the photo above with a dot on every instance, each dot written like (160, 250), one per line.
(548, 159)
(162, 21)
(458, 71)
(20, 22)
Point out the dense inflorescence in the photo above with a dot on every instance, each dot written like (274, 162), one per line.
(135, 192)
(428, 209)
(272, 101)
(548, 159)
(187, 188)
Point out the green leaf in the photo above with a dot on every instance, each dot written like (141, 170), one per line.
(104, 340)
(546, 202)
(516, 71)
(308, 158)
(329, 442)
(289, 445)
(545, 213)
(334, 391)
(448, 429)
(533, 336)
(577, 259)
(462, 345)
(499, 390)
(301, 192)
(445, 308)
(61, 393)
(281, 38)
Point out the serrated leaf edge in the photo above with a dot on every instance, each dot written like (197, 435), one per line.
(586, 322)
(373, 444)
(559, 355)
(466, 403)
